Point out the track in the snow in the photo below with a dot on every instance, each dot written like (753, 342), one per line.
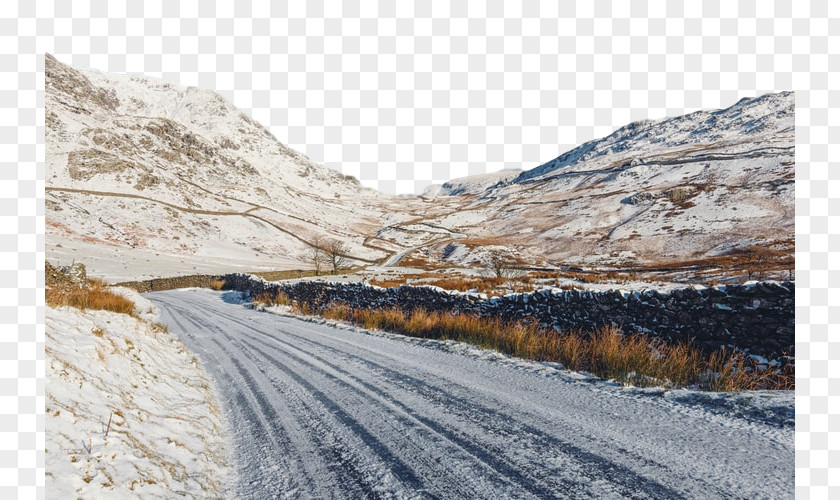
(316, 411)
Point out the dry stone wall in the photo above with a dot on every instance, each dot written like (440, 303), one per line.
(758, 317)
(160, 284)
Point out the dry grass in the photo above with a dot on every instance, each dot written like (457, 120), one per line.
(217, 284)
(476, 242)
(277, 298)
(752, 262)
(607, 353)
(460, 283)
(389, 282)
(598, 277)
(94, 295)
(285, 275)
(479, 284)
(419, 261)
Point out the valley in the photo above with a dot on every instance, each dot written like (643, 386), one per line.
(544, 348)
(146, 179)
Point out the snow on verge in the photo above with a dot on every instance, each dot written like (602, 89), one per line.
(166, 435)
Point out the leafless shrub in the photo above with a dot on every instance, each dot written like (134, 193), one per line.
(502, 263)
(335, 252)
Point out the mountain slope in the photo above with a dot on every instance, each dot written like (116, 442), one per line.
(704, 184)
(149, 179)
(138, 167)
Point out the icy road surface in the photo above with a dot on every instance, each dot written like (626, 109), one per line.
(318, 411)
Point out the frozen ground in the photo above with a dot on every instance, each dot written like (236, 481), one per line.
(322, 411)
(165, 437)
(117, 264)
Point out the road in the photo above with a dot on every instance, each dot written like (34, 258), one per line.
(319, 411)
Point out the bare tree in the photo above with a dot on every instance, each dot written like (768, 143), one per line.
(758, 260)
(317, 255)
(335, 254)
(502, 263)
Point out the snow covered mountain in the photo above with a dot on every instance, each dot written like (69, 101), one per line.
(144, 174)
(676, 189)
(150, 179)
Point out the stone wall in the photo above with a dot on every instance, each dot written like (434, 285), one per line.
(758, 317)
(160, 284)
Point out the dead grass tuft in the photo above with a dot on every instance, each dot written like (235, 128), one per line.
(389, 283)
(277, 298)
(94, 295)
(217, 285)
(607, 353)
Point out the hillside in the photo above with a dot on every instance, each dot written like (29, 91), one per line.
(674, 190)
(146, 174)
(147, 179)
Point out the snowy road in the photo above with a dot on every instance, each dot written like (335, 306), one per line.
(318, 411)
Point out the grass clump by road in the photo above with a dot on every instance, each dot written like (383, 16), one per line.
(217, 284)
(63, 290)
(607, 353)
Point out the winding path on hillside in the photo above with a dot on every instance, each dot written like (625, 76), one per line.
(222, 213)
(319, 411)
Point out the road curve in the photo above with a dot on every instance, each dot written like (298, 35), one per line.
(317, 411)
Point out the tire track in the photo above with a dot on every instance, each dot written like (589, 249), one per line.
(353, 424)
(411, 420)
(405, 418)
(489, 420)
(489, 456)
(347, 465)
(264, 420)
(343, 459)
(252, 411)
(368, 417)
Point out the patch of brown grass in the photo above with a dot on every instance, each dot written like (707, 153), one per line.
(217, 284)
(607, 353)
(466, 283)
(598, 277)
(389, 283)
(417, 261)
(475, 242)
(94, 295)
(276, 298)
(284, 275)
(750, 262)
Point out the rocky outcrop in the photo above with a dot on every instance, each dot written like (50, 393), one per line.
(73, 276)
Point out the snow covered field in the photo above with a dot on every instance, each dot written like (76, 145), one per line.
(321, 411)
(130, 412)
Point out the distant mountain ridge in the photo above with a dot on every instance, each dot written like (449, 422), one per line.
(764, 115)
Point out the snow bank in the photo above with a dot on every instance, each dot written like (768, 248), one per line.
(130, 412)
